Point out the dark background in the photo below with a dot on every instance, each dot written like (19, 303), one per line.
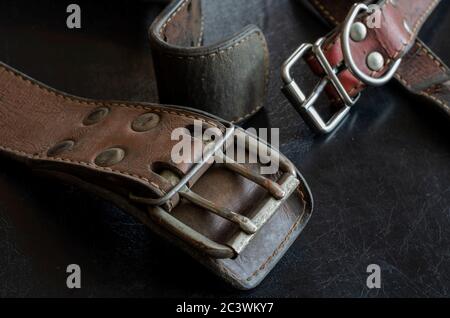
(381, 182)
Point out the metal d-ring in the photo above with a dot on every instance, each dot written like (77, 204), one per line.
(350, 62)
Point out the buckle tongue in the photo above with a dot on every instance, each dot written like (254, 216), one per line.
(278, 192)
(244, 223)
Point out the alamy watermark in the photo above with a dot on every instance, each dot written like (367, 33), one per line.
(373, 20)
(73, 280)
(374, 279)
(73, 21)
(193, 145)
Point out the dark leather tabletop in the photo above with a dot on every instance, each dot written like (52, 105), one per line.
(381, 183)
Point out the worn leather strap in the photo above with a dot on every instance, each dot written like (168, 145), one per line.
(421, 71)
(228, 79)
(401, 21)
(424, 74)
(66, 137)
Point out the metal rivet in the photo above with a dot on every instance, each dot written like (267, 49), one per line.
(375, 61)
(110, 157)
(60, 147)
(406, 26)
(358, 32)
(145, 122)
(96, 116)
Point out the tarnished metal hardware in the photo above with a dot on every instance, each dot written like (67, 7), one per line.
(278, 192)
(96, 116)
(350, 62)
(110, 157)
(243, 222)
(191, 236)
(266, 210)
(196, 168)
(145, 122)
(272, 187)
(305, 105)
(60, 147)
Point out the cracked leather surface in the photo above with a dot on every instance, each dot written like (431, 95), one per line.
(380, 182)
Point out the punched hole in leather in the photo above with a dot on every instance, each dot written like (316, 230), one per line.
(227, 78)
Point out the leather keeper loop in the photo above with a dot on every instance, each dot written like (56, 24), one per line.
(228, 79)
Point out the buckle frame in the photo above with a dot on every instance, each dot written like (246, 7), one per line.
(305, 105)
(206, 157)
(278, 192)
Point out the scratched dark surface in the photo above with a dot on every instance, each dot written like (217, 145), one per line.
(381, 183)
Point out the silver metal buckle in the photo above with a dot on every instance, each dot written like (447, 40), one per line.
(278, 192)
(305, 105)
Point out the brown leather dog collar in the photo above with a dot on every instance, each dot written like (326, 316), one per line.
(357, 54)
(122, 151)
(422, 72)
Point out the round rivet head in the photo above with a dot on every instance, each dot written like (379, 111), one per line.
(145, 122)
(96, 116)
(60, 147)
(110, 157)
(375, 61)
(358, 32)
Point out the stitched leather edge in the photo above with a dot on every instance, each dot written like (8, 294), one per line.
(92, 103)
(400, 51)
(438, 63)
(325, 11)
(153, 107)
(429, 53)
(220, 48)
(282, 244)
(87, 164)
(284, 241)
(173, 15)
(286, 238)
(256, 33)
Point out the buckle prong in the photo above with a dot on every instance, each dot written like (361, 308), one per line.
(196, 168)
(249, 226)
(244, 223)
(272, 187)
